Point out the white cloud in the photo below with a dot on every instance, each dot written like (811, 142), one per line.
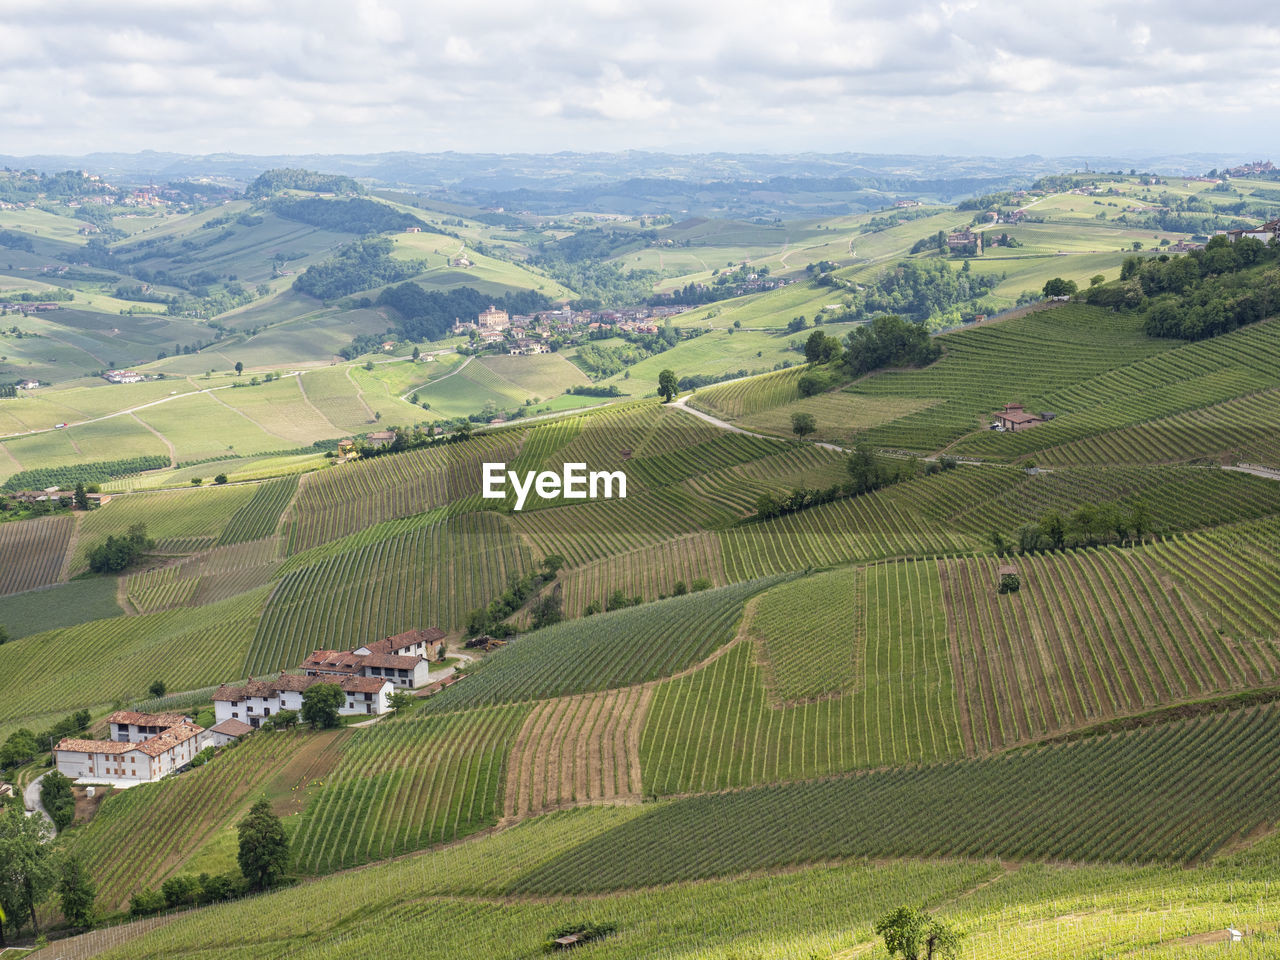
(265, 76)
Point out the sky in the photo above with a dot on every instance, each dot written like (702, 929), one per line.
(362, 76)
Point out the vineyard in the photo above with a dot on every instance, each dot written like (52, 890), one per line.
(806, 657)
(716, 728)
(142, 834)
(258, 518)
(117, 659)
(180, 521)
(648, 572)
(431, 575)
(63, 605)
(346, 498)
(1191, 377)
(741, 398)
(208, 577)
(608, 650)
(42, 544)
(1170, 794)
(402, 785)
(575, 750)
(1091, 634)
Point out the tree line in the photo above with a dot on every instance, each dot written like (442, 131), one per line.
(1201, 294)
(1089, 525)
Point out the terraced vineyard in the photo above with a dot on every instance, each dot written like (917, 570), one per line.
(740, 398)
(433, 574)
(609, 650)
(1091, 634)
(346, 498)
(258, 518)
(987, 366)
(1108, 799)
(648, 572)
(575, 750)
(869, 527)
(402, 785)
(181, 521)
(108, 660)
(142, 834)
(1211, 566)
(42, 544)
(1229, 432)
(716, 728)
(1190, 377)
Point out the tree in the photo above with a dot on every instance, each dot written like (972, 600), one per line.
(803, 424)
(1055, 528)
(1057, 287)
(157, 689)
(264, 847)
(220, 478)
(57, 799)
(416, 353)
(908, 931)
(552, 563)
(1000, 544)
(20, 747)
(239, 368)
(77, 893)
(668, 386)
(1096, 279)
(81, 498)
(400, 700)
(866, 472)
(1010, 583)
(320, 706)
(27, 869)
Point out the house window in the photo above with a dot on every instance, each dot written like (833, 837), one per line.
(235, 714)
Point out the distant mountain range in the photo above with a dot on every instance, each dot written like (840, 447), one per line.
(738, 184)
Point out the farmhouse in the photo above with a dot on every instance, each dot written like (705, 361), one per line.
(143, 747)
(1266, 233)
(229, 730)
(381, 438)
(29, 384)
(123, 376)
(257, 700)
(411, 643)
(1014, 417)
(964, 239)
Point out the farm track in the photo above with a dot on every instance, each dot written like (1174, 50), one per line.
(168, 444)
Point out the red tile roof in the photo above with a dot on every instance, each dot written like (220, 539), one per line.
(164, 742)
(146, 719)
(389, 661)
(77, 745)
(231, 727)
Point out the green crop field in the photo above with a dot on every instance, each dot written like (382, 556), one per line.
(893, 700)
(1091, 634)
(142, 834)
(406, 784)
(35, 552)
(63, 605)
(345, 498)
(117, 659)
(1109, 799)
(180, 521)
(614, 649)
(434, 574)
(259, 517)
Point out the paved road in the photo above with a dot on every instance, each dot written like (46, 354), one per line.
(31, 800)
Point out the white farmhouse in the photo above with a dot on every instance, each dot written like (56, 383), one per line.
(255, 701)
(127, 762)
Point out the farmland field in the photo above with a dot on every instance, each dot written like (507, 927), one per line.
(117, 659)
(63, 605)
(1091, 634)
(405, 784)
(573, 750)
(613, 649)
(41, 544)
(1075, 802)
(718, 728)
(434, 574)
(181, 521)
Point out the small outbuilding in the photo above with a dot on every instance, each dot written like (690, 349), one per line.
(227, 731)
